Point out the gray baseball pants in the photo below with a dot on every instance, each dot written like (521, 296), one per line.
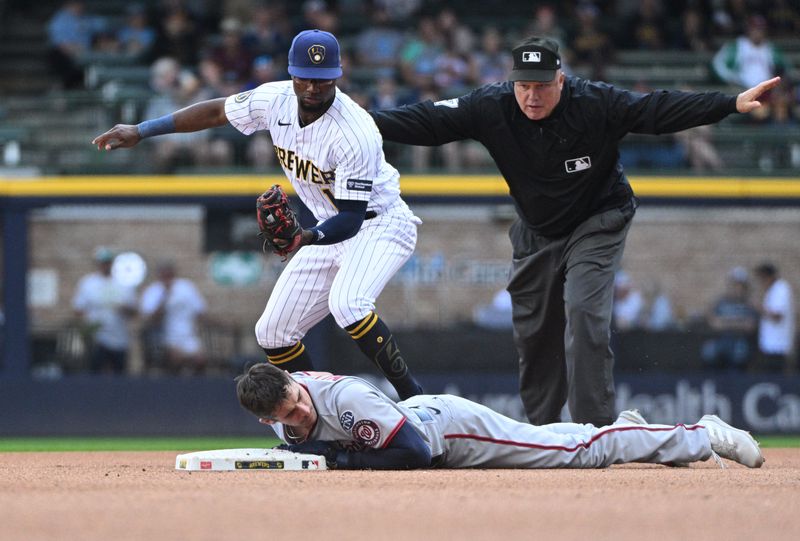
(562, 292)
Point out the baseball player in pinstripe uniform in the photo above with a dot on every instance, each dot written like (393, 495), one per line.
(355, 426)
(331, 152)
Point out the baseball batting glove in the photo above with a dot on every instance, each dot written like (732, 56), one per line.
(314, 447)
(278, 223)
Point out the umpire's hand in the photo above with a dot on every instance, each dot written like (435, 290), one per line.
(120, 136)
(748, 100)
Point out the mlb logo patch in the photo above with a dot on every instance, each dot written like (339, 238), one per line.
(531, 56)
(578, 164)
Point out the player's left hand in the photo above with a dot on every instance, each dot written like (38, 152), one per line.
(314, 447)
(278, 223)
(120, 136)
(748, 100)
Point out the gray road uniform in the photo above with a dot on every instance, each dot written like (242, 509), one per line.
(463, 434)
(574, 207)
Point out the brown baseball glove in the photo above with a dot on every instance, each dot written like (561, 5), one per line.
(278, 223)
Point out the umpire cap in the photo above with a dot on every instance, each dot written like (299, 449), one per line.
(314, 54)
(535, 59)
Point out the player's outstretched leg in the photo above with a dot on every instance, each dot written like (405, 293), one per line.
(293, 358)
(376, 342)
(732, 443)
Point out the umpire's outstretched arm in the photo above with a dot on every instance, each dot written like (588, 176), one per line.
(196, 117)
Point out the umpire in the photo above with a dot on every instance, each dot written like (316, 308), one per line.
(555, 140)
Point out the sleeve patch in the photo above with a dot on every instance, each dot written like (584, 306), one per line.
(367, 432)
(242, 96)
(451, 103)
(355, 185)
(346, 419)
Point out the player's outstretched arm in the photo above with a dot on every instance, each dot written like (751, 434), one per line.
(406, 451)
(748, 100)
(200, 116)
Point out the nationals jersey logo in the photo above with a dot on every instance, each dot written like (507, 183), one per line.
(316, 53)
(346, 419)
(367, 432)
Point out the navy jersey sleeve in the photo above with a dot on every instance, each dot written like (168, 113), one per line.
(405, 451)
(428, 123)
(664, 111)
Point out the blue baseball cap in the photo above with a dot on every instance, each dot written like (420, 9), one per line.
(314, 54)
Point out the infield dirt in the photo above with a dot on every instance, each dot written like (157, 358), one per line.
(114, 496)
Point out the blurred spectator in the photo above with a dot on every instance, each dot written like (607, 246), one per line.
(378, 46)
(492, 62)
(457, 36)
(645, 30)
(136, 37)
(175, 306)
(734, 321)
(776, 329)
(212, 81)
(656, 313)
(418, 56)
(496, 314)
(175, 89)
(387, 95)
(317, 14)
(545, 24)
(179, 35)
(70, 34)
(263, 71)
(105, 307)
(399, 10)
(694, 33)
(628, 303)
(451, 73)
(592, 48)
(750, 58)
(699, 147)
(269, 32)
(232, 56)
(783, 18)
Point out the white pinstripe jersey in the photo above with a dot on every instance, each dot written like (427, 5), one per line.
(338, 156)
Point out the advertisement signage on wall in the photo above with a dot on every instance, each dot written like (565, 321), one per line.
(762, 404)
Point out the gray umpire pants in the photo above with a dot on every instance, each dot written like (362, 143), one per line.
(562, 292)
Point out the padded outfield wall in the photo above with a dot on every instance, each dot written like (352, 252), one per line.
(688, 232)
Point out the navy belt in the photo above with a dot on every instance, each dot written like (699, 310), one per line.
(370, 215)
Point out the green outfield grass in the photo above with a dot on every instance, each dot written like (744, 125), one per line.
(132, 444)
(201, 444)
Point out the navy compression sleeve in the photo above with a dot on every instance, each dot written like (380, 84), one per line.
(406, 451)
(342, 226)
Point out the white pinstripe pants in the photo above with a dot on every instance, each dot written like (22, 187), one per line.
(342, 279)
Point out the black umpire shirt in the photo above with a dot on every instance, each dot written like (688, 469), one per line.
(565, 168)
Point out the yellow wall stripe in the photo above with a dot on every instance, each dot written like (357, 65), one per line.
(412, 185)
